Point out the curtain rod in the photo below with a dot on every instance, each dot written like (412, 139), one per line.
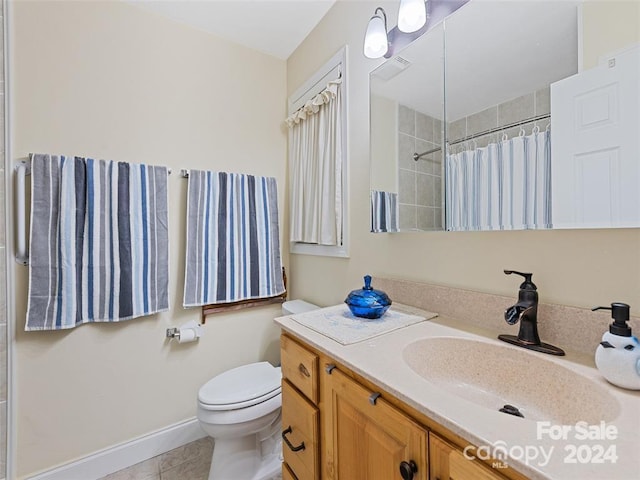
(417, 156)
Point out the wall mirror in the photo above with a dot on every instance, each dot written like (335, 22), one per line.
(471, 100)
(407, 111)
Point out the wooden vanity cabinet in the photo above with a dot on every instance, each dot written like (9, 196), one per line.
(449, 463)
(352, 433)
(287, 474)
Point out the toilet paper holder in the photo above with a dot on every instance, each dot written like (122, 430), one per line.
(173, 332)
(193, 328)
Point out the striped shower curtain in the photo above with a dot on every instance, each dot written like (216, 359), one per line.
(503, 186)
(233, 239)
(99, 242)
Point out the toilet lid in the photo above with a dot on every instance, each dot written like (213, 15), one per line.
(241, 385)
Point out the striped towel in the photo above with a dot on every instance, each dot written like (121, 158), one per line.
(233, 242)
(99, 248)
(384, 211)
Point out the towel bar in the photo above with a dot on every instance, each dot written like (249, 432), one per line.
(22, 170)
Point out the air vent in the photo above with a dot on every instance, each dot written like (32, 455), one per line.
(391, 68)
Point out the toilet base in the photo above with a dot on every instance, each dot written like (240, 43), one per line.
(236, 459)
(253, 457)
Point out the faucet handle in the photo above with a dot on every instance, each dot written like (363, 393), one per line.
(527, 284)
(512, 315)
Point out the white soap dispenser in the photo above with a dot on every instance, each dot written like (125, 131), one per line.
(618, 355)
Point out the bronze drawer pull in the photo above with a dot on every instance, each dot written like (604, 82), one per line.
(303, 370)
(286, 440)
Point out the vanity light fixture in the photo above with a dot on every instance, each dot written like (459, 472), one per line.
(412, 15)
(376, 42)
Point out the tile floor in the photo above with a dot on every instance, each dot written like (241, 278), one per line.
(189, 462)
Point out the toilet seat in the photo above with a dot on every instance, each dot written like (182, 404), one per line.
(241, 387)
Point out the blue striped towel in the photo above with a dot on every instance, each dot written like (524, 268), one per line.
(233, 242)
(99, 247)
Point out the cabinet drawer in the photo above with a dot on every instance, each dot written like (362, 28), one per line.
(300, 367)
(287, 474)
(300, 430)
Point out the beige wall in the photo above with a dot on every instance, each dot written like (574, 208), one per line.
(577, 267)
(112, 81)
(609, 26)
(384, 127)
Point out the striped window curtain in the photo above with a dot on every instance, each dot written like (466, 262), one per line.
(233, 239)
(316, 169)
(504, 186)
(99, 245)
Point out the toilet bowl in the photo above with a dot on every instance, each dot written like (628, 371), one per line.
(241, 410)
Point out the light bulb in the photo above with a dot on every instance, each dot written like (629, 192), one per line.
(412, 15)
(376, 43)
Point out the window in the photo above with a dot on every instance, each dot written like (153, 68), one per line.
(318, 162)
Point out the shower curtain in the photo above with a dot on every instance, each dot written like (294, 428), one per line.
(503, 186)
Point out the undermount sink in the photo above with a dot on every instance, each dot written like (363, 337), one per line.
(492, 376)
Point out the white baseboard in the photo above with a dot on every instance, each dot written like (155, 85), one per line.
(112, 459)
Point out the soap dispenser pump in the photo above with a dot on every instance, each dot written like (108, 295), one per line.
(618, 355)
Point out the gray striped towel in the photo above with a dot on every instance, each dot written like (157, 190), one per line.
(233, 241)
(99, 247)
(384, 211)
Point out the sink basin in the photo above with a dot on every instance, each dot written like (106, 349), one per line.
(492, 376)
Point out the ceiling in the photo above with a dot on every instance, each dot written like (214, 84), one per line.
(275, 27)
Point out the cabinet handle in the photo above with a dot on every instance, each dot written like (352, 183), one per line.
(373, 397)
(329, 368)
(407, 469)
(303, 370)
(286, 440)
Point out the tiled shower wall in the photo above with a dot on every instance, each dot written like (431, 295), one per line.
(3, 266)
(515, 110)
(419, 182)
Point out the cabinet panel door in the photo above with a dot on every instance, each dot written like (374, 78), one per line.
(448, 463)
(300, 427)
(461, 468)
(367, 440)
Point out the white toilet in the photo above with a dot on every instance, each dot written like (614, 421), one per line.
(240, 409)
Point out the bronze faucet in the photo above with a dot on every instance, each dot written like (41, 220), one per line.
(526, 312)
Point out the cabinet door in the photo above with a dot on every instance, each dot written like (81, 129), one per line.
(300, 434)
(448, 463)
(368, 439)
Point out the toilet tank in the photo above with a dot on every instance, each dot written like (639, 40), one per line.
(292, 307)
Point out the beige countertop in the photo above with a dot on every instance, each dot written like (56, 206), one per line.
(611, 450)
